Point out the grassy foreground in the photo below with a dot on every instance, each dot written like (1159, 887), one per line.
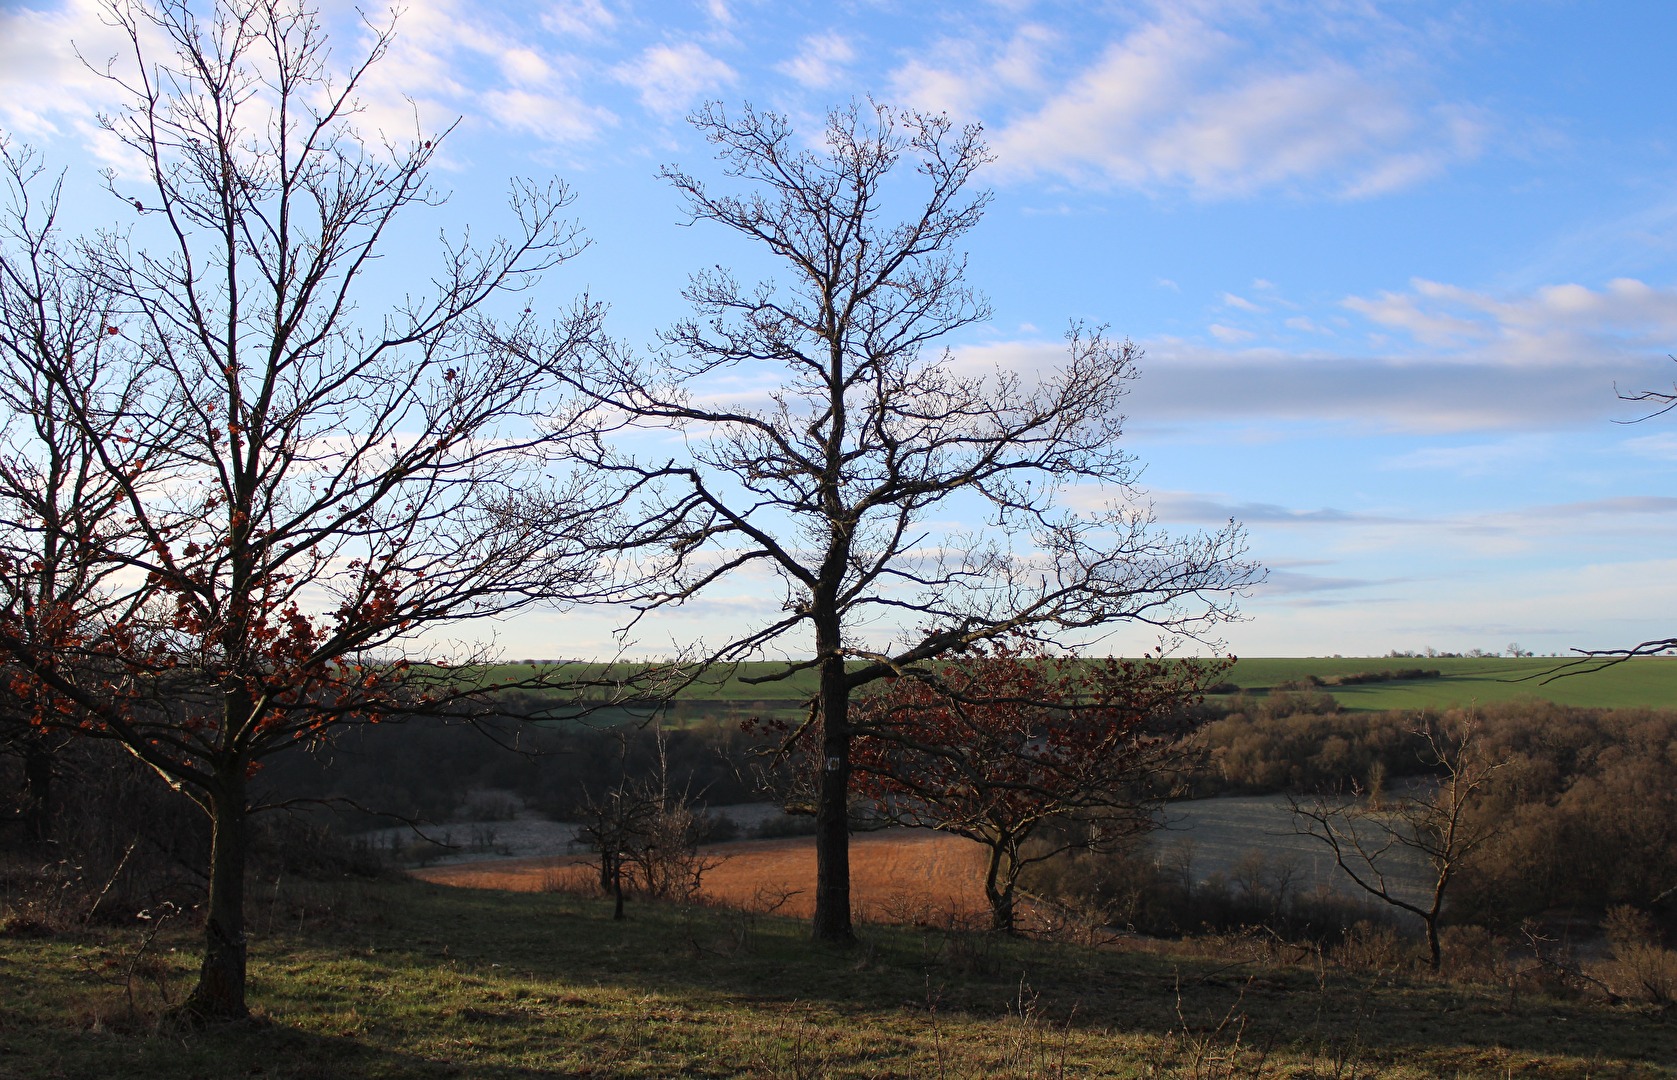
(403, 979)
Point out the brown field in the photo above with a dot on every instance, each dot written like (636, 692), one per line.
(902, 876)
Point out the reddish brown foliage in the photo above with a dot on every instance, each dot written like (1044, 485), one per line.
(1003, 742)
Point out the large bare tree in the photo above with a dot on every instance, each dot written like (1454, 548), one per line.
(305, 494)
(843, 476)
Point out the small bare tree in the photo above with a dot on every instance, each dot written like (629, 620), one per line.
(849, 478)
(645, 833)
(288, 493)
(1442, 825)
(611, 821)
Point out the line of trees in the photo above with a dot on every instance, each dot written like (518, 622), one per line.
(1491, 819)
(236, 511)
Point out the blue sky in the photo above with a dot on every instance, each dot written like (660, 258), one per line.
(1388, 261)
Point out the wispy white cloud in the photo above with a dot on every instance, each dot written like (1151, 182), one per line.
(1567, 324)
(821, 61)
(1207, 510)
(450, 59)
(1610, 602)
(1187, 99)
(1660, 447)
(447, 60)
(1410, 538)
(587, 19)
(51, 60)
(554, 117)
(1433, 358)
(670, 78)
(1475, 459)
(1294, 583)
(961, 76)
(1185, 383)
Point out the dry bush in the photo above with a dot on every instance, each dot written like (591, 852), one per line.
(1209, 1047)
(574, 877)
(1642, 968)
(1475, 954)
(1548, 965)
(1372, 947)
(911, 907)
(970, 952)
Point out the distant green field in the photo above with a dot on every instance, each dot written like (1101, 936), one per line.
(1649, 682)
(726, 683)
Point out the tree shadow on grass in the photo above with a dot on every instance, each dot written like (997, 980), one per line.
(707, 957)
(399, 979)
(254, 1048)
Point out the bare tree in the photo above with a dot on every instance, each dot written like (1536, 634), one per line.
(645, 833)
(1444, 826)
(843, 477)
(611, 821)
(60, 506)
(304, 492)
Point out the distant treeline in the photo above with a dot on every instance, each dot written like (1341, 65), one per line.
(1358, 678)
(1585, 807)
(1583, 812)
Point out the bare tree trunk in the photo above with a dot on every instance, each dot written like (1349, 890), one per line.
(998, 888)
(832, 807)
(220, 993)
(1432, 914)
(37, 788)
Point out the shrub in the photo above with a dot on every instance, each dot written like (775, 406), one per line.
(1156, 893)
(1642, 968)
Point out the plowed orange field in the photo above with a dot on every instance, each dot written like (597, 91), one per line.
(896, 877)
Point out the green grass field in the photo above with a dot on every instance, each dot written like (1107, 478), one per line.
(1649, 682)
(399, 979)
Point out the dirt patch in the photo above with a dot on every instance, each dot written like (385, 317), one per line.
(901, 876)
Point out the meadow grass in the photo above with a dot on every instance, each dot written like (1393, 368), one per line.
(1649, 682)
(400, 979)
